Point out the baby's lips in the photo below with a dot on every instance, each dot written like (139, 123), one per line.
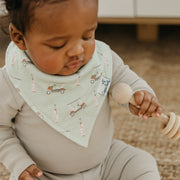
(73, 65)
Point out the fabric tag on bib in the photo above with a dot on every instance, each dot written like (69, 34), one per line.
(104, 86)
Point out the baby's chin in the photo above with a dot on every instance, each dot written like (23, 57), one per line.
(69, 72)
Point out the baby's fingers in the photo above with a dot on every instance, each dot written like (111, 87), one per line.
(133, 109)
(26, 176)
(158, 111)
(30, 172)
(35, 171)
(143, 100)
(154, 108)
(138, 97)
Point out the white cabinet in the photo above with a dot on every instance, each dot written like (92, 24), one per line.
(116, 8)
(139, 8)
(158, 8)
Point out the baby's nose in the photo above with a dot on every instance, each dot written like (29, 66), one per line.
(76, 50)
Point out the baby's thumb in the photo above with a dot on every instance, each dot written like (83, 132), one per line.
(37, 172)
(133, 109)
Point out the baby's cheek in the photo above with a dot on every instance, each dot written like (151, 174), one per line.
(50, 65)
(90, 50)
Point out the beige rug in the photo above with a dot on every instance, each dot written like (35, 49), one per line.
(159, 64)
(164, 78)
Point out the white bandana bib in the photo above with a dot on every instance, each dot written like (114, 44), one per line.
(69, 104)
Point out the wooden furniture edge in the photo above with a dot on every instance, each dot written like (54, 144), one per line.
(138, 20)
(147, 28)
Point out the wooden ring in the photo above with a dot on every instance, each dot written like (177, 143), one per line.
(177, 135)
(174, 131)
(169, 126)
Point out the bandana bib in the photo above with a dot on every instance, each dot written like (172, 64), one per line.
(69, 104)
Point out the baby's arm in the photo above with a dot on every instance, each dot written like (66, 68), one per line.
(143, 93)
(12, 154)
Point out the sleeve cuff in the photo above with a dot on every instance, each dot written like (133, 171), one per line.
(20, 166)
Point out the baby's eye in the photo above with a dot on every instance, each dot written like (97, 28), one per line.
(87, 38)
(57, 47)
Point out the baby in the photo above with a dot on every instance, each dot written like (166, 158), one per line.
(55, 119)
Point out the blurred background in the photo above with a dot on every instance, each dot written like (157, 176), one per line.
(146, 35)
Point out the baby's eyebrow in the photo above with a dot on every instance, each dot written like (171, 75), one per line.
(94, 27)
(56, 38)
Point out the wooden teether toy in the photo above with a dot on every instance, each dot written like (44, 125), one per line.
(122, 94)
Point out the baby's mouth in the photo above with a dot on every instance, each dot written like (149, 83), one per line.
(74, 65)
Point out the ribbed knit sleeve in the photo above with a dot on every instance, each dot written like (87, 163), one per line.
(123, 74)
(12, 153)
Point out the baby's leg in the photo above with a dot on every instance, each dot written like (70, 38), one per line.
(91, 174)
(125, 162)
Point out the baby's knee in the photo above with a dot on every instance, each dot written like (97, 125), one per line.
(142, 166)
(145, 157)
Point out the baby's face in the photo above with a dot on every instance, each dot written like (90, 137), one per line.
(61, 38)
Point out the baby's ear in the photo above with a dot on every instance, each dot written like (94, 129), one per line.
(17, 37)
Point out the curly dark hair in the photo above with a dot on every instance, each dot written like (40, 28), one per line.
(20, 12)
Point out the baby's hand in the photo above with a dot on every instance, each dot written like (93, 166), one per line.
(147, 103)
(30, 172)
